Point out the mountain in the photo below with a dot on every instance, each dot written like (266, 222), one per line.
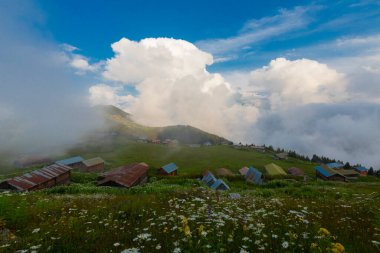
(121, 123)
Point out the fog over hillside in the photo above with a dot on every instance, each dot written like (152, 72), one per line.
(41, 107)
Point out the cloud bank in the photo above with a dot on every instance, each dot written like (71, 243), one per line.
(42, 107)
(298, 104)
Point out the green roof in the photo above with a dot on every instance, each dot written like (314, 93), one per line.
(93, 161)
(273, 169)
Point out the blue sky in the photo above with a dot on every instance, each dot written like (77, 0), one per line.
(92, 27)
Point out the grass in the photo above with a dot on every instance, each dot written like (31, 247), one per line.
(169, 214)
(191, 161)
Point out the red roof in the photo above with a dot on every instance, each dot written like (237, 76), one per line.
(37, 177)
(126, 176)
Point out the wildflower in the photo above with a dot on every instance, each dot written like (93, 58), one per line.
(116, 244)
(36, 230)
(337, 248)
(158, 246)
(285, 244)
(324, 232)
(201, 228)
(186, 230)
(274, 236)
(5, 246)
(243, 251)
(376, 242)
(36, 247)
(131, 250)
(177, 250)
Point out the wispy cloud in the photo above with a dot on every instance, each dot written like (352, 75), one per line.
(258, 30)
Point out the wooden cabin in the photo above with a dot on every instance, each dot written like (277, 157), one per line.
(47, 177)
(93, 165)
(170, 169)
(125, 176)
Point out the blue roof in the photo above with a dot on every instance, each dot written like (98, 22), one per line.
(219, 183)
(71, 160)
(209, 179)
(335, 165)
(254, 176)
(169, 168)
(324, 171)
(361, 168)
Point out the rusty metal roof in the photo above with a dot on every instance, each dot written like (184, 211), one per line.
(126, 175)
(37, 177)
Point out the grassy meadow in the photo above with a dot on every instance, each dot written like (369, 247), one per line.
(180, 214)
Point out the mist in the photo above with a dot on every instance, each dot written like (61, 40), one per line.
(44, 107)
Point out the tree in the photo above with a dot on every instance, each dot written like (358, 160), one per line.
(347, 166)
(370, 171)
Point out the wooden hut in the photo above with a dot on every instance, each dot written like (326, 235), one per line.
(170, 169)
(219, 185)
(243, 171)
(46, 177)
(274, 170)
(208, 178)
(93, 165)
(254, 176)
(281, 156)
(325, 173)
(75, 162)
(296, 172)
(349, 173)
(125, 176)
(363, 171)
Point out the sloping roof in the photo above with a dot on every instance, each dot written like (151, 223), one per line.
(273, 169)
(208, 178)
(37, 177)
(361, 169)
(169, 168)
(93, 161)
(224, 172)
(219, 184)
(296, 171)
(253, 175)
(126, 176)
(327, 171)
(348, 173)
(71, 160)
(243, 171)
(335, 165)
(282, 155)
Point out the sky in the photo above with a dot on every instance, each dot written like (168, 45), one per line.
(301, 75)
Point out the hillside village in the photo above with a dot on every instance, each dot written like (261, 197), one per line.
(174, 191)
(130, 175)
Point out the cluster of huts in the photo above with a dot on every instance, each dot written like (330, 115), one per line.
(55, 174)
(336, 172)
(59, 173)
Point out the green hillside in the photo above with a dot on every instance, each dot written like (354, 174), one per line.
(121, 123)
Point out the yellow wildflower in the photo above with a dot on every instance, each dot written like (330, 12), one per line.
(201, 229)
(337, 248)
(245, 227)
(186, 230)
(324, 232)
